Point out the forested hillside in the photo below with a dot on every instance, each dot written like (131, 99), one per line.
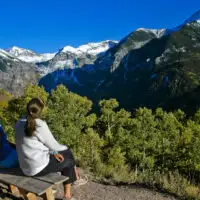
(156, 148)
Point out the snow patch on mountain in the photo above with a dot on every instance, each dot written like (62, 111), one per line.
(64, 64)
(90, 48)
(70, 57)
(6, 55)
(37, 59)
(70, 49)
(29, 56)
(157, 32)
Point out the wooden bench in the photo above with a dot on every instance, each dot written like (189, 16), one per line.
(31, 187)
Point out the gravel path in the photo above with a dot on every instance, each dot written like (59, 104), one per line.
(97, 191)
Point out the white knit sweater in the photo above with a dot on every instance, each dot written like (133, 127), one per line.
(34, 152)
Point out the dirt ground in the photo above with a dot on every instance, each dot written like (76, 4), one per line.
(96, 191)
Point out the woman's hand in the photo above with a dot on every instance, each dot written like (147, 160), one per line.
(59, 157)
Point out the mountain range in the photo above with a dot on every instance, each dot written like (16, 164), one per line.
(148, 67)
(67, 57)
(16, 62)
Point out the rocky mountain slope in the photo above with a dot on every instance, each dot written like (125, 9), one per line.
(147, 68)
(15, 74)
(91, 76)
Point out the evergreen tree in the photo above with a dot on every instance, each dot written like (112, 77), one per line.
(68, 116)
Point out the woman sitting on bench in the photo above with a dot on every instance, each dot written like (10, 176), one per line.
(38, 151)
(8, 154)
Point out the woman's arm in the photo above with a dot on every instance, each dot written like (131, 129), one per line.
(46, 137)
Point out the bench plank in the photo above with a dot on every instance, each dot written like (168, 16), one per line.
(16, 178)
(53, 178)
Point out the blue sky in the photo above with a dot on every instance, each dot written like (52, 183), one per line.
(47, 25)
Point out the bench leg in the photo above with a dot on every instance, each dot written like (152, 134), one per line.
(49, 195)
(31, 196)
(28, 196)
(14, 190)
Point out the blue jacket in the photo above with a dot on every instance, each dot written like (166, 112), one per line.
(8, 155)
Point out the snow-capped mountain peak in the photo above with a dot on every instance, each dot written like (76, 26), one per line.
(157, 32)
(90, 48)
(71, 57)
(17, 51)
(6, 55)
(69, 49)
(30, 56)
(96, 48)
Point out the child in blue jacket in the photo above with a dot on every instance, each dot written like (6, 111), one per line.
(8, 154)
